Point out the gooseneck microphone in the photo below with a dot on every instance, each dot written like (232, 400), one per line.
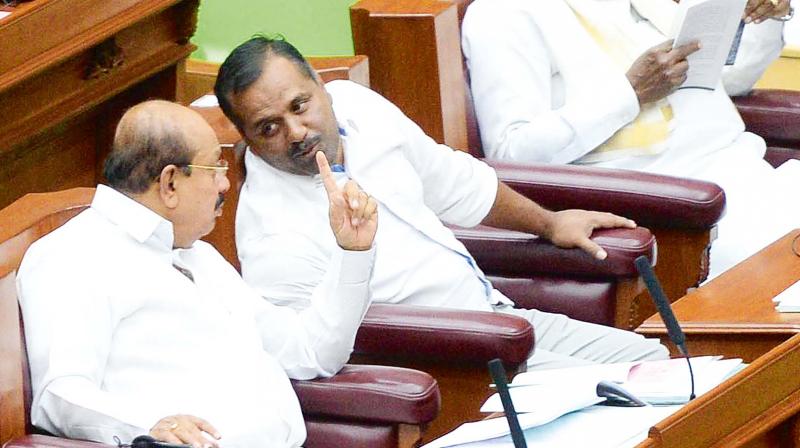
(498, 374)
(665, 310)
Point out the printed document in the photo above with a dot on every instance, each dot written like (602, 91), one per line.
(715, 24)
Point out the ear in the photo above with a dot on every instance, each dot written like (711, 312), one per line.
(168, 186)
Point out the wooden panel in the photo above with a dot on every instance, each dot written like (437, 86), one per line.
(60, 101)
(757, 407)
(734, 313)
(90, 22)
(414, 50)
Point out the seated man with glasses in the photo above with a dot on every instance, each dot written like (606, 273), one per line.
(134, 326)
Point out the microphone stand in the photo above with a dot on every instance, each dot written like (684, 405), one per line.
(665, 310)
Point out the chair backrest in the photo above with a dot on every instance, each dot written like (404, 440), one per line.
(22, 223)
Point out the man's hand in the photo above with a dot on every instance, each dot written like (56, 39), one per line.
(185, 429)
(657, 72)
(353, 213)
(572, 228)
(760, 10)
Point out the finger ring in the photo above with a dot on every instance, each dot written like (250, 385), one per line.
(173, 426)
(774, 2)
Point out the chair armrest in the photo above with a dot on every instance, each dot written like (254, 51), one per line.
(772, 114)
(374, 393)
(651, 200)
(38, 441)
(515, 254)
(405, 331)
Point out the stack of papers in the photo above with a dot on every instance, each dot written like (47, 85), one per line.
(544, 399)
(789, 300)
(595, 426)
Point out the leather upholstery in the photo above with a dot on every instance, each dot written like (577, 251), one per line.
(328, 434)
(508, 253)
(465, 336)
(774, 115)
(372, 393)
(584, 299)
(649, 199)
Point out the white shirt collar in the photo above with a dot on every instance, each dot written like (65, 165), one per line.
(138, 221)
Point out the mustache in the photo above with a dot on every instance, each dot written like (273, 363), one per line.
(220, 201)
(297, 148)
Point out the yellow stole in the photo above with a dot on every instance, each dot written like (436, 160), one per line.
(648, 133)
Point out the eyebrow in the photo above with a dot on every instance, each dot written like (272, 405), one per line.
(301, 97)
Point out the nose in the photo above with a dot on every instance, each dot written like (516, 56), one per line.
(224, 183)
(295, 129)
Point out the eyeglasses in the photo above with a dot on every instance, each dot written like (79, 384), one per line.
(219, 169)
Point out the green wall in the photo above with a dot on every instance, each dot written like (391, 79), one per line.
(315, 27)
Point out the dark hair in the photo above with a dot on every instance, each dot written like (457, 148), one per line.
(141, 151)
(244, 65)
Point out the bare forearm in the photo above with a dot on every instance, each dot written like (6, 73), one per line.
(513, 211)
(566, 228)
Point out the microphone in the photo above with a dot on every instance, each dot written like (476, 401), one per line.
(498, 374)
(616, 395)
(149, 442)
(665, 310)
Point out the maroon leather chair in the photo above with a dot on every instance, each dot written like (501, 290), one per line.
(374, 406)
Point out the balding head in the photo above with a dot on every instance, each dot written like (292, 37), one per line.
(149, 137)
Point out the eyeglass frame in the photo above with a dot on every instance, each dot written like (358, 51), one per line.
(221, 167)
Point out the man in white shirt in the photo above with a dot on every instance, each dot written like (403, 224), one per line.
(134, 326)
(286, 115)
(594, 82)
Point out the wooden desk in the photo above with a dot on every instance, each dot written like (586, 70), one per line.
(733, 315)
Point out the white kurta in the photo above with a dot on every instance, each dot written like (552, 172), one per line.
(417, 184)
(544, 91)
(117, 338)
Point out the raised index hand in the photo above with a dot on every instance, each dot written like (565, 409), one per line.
(353, 214)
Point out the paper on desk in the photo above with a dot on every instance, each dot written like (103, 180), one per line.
(788, 301)
(4, 14)
(668, 381)
(595, 426)
(550, 393)
(617, 372)
(205, 101)
(548, 401)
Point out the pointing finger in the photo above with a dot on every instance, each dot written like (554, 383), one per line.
(325, 173)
